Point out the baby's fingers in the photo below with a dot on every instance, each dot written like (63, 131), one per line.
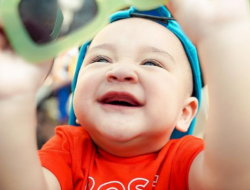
(176, 6)
(187, 7)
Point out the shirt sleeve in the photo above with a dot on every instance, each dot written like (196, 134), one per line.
(55, 156)
(185, 152)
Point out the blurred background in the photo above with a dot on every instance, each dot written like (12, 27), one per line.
(53, 98)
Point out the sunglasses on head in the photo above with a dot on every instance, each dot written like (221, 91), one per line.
(39, 30)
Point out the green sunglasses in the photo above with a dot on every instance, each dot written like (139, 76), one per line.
(39, 30)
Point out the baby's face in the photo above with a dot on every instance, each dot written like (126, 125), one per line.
(131, 90)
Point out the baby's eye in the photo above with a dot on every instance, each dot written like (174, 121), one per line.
(100, 59)
(152, 63)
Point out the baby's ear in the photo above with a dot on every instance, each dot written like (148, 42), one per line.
(189, 111)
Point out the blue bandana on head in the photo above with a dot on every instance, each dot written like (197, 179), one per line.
(189, 48)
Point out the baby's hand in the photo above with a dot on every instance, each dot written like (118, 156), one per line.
(18, 77)
(200, 18)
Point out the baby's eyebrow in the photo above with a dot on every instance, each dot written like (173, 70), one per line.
(143, 49)
(109, 46)
(156, 50)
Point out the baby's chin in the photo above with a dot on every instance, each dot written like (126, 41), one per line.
(117, 132)
(118, 137)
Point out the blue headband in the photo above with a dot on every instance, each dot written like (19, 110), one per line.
(189, 48)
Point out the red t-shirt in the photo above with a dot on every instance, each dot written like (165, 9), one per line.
(78, 164)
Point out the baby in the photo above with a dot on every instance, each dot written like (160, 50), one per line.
(136, 82)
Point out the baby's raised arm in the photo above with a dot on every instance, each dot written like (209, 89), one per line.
(221, 31)
(20, 168)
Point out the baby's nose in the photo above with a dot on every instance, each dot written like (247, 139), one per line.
(122, 73)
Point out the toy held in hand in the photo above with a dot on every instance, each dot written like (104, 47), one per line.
(39, 30)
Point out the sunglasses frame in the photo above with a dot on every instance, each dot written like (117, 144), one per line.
(36, 53)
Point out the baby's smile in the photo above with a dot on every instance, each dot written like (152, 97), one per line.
(121, 99)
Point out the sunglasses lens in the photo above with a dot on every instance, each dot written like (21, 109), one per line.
(48, 20)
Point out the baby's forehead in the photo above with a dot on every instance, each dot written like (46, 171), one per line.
(131, 26)
(133, 31)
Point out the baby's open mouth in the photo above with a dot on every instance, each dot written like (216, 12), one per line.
(120, 99)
